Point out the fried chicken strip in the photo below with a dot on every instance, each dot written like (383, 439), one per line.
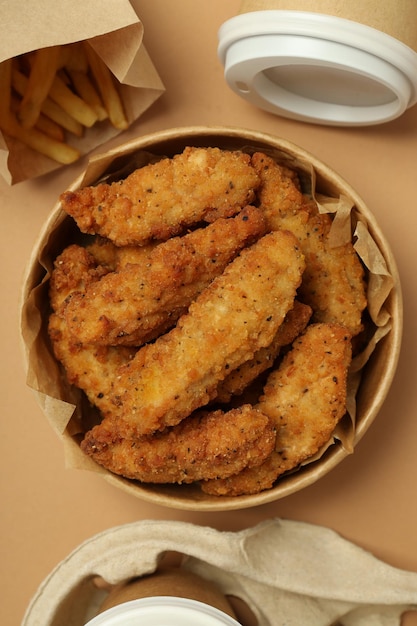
(306, 398)
(113, 257)
(162, 199)
(236, 315)
(205, 445)
(91, 368)
(144, 299)
(74, 270)
(333, 282)
(239, 379)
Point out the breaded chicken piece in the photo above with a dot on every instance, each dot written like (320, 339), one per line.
(279, 190)
(236, 315)
(74, 269)
(205, 445)
(333, 282)
(91, 368)
(239, 379)
(306, 398)
(162, 199)
(113, 257)
(144, 299)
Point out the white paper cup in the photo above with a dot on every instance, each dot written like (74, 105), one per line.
(332, 64)
(163, 610)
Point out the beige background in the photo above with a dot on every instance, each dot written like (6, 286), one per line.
(47, 510)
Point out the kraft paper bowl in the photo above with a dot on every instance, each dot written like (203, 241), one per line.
(371, 375)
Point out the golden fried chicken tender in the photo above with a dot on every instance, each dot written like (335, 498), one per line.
(144, 299)
(333, 282)
(236, 315)
(91, 368)
(239, 379)
(74, 269)
(306, 397)
(113, 257)
(205, 445)
(162, 199)
(227, 295)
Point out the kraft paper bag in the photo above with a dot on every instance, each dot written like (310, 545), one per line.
(114, 31)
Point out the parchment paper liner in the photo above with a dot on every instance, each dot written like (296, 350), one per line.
(287, 572)
(372, 370)
(116, 34)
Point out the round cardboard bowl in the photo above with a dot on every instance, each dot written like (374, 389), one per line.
(58, 400)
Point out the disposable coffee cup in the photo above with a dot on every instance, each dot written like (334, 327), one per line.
(327, 61)
(171, 595)
(163, 610)
(169, 581)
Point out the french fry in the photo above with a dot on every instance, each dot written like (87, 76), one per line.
(43, 124)
(52, 91)
(57, 114)
(50, 128)
(106, 84)
(71, 103)
(31, 137)
(49, 108)
(42, 74)
(38, 141)
(75, 58)
(5, 89)
(64, 56)
(87, 91)
(63, 75)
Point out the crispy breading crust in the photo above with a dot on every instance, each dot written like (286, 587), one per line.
(159, 403)
(239, 379)
(74, 269)
(141, 300)
(113, 257)
(333, 282)
(91, 368)
(238, 313)
(306, 397)
(162, 199)
(207, 444)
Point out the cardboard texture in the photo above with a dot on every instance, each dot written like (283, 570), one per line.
(286, 572)
(371, 372)
(117, 37)
(393, 17)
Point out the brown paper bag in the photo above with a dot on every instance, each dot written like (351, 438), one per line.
(115, 32)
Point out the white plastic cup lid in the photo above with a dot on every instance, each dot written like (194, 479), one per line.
(318, 68)
(163, 611)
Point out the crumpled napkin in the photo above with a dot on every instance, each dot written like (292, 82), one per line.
(289, 573)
